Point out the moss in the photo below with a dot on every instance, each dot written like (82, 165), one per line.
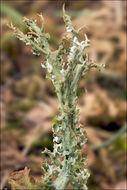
(121, 143)
(15, 124)
(92, 183)
(46, 141)
(22, 105)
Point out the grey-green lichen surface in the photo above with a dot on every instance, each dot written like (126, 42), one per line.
(67, 163)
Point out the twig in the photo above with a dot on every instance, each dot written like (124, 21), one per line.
(110, 141)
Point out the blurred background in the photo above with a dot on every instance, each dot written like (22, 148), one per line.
(29, 103)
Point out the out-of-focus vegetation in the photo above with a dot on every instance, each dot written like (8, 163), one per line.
(28, 101)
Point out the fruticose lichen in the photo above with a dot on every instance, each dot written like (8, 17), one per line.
(67, 163)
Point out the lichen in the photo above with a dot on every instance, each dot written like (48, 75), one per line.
(67, 163)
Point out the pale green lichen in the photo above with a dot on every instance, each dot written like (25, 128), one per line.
(67, 164)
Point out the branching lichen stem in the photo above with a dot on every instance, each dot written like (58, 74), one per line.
(67, 164)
